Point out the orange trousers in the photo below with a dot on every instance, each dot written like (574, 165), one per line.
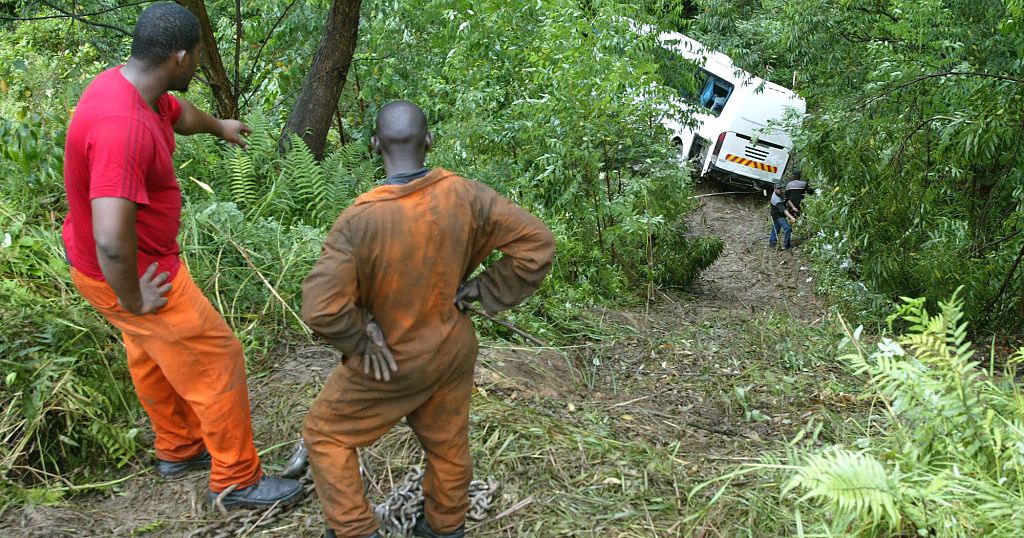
(189, 374)
(354, 410)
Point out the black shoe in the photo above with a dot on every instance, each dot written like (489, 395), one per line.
(330, 534)
(174, 469)
(423, 530)
(270, 490)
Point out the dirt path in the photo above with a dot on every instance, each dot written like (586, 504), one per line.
(712, 378)
(750, 276)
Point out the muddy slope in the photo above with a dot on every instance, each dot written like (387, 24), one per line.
(666, 378)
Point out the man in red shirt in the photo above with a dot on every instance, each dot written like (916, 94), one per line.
(124, 209)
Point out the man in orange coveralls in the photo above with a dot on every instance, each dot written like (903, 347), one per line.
(124, 209)
(389, 277)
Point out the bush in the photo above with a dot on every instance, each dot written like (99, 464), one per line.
(942, 453)
(66, 396)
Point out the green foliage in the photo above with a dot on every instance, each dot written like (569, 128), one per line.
(293, 188)
(65, 396)
(943, 453)
(241, 178)
(672, 15)
(304, 179)
(252, 268)
(541, 102)
(852, 485)
(347, 174)
(912, 139)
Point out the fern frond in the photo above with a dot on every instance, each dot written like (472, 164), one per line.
(348, 172)
(303, 179)
(852, 483)
(242, 179)
(261, 141)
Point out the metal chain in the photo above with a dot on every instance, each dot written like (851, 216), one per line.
(397, 515)
(241, 522)
(404, 505)
(481, 495)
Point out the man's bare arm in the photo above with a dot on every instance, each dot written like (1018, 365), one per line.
(113, 227)
(194, 121)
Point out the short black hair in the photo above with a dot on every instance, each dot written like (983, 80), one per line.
(162, 30)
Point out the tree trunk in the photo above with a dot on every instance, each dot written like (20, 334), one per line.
(213, 67)
(310, 118)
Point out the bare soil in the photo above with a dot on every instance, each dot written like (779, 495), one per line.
(701, 372)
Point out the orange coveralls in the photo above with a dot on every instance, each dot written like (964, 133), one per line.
(189, 373)
(398, 256)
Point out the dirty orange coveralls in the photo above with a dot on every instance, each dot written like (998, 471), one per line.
(398, 256)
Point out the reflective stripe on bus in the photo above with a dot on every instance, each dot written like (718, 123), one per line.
(753, 164)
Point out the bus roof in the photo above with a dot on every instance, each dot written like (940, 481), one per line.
(718, 63)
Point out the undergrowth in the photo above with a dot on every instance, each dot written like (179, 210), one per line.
(66, 396)
(940, 454)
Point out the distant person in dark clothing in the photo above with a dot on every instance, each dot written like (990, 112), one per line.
(782, 219)
(795, 191)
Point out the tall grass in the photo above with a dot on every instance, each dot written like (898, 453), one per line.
(941, 453)
(65, 395)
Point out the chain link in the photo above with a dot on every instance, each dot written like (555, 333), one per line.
(397, 515)
(241, 522)
(404, 505)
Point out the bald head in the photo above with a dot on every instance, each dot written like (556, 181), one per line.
(402, 137)
(401, 123)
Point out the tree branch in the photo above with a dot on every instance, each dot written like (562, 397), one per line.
(72, 16)
(81, 18)
(981, 249)
(238, 44)
(480, 312)
(903, 146)
(247, 88)
(876, 12)
(940, 75)
(1006, 281)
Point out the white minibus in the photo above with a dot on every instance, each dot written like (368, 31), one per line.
(736, 133)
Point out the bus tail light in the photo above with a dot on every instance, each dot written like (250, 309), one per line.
(718, 145)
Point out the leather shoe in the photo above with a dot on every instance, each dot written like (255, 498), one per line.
(174, 469)
(270, 490)
(423, 530)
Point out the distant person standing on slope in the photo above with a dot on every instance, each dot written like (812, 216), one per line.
(120, 234)
(795, 191)
(782, 219)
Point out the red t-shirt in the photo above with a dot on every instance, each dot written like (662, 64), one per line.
(117, 146)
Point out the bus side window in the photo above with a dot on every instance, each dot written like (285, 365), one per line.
(707, 93)
(715, 94)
